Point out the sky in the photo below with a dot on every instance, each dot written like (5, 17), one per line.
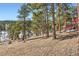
(9, 11)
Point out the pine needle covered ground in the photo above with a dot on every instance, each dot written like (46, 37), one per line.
(41, 47)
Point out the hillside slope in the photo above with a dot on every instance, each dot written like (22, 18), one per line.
(41, 47)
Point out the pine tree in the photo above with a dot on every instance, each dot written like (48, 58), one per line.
(23, 13)
(53, 21)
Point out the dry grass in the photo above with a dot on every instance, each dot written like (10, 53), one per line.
(41, 47)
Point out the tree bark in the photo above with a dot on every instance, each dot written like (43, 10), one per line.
(53, 21)
(47, 22)
(78, 14)
(24, 30)
(59, 23)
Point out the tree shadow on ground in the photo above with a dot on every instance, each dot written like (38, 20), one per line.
(43, 37)
(60, 37)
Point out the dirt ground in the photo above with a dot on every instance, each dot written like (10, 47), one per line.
(41, 47)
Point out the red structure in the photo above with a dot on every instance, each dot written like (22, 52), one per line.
(72, 25)
(74, 20)
(68, 27)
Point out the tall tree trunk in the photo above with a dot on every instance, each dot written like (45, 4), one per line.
(59, 23)
(78, 25)
(24, 30)
(53, 21)
(65, 22)
(47, 22)
(65, 16)
(78, 14)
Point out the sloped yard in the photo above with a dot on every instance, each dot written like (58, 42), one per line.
(41, 47)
